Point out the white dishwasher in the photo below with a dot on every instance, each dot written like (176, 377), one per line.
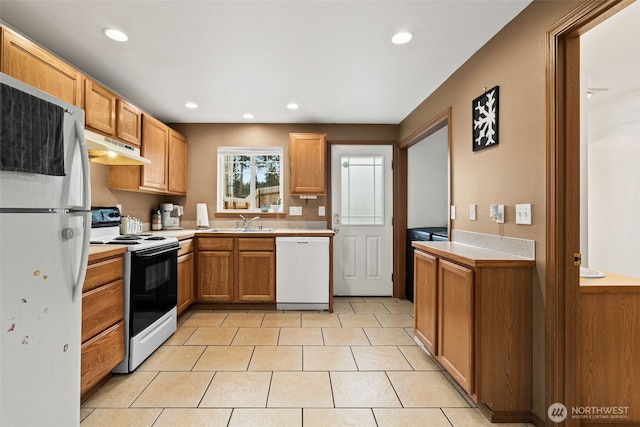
(302, 273)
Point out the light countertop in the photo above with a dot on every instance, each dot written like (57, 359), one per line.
(610, 280)
(473, 255)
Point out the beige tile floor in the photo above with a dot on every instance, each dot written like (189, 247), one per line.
(358, 366)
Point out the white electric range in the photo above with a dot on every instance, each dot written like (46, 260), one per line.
(150, 286)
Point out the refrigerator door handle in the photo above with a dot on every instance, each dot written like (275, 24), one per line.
(86, 212)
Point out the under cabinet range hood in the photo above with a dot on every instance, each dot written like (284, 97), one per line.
(108, 151)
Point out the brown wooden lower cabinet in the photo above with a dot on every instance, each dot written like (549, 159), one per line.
(425, 300)
(102, 318)
(186, 288)
(235, 269)
(100, 355)
(609, 352)
(474, 316)
(456, 322)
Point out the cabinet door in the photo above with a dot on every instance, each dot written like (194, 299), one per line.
(307, 161)
(215, 276)
(177, 163)
(100, 355)
(455, 322)
(185, 282)
(33, 65)
(128, 122)
(256, 276)
(155, 143)
(425, 300)
(100, 108)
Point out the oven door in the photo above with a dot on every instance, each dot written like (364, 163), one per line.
(153, 285)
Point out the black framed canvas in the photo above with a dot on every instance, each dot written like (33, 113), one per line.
(485, 120)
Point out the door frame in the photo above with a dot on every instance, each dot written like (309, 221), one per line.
(396, 272)
(563, 198)
(400, 188)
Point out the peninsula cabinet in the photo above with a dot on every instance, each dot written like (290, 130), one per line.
(608, 348)
(235, 269)
(307, 161)
(102, 318)
(472, 312)
(186, 289)
(31, 64)
(425, 300)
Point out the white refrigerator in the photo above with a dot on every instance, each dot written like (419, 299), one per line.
(44, 242)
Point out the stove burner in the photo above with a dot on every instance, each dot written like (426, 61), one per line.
(156, 238)
(127, 237)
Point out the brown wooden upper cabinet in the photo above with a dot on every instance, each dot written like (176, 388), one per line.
(177, 163)
(99, 108)
(108, 114)
(155, 147)
(167, 173)
(308, 165)
(31, 64)
(128, 122)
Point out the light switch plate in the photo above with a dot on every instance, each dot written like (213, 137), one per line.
(321, 211)
(453, 212)
(295, 210)
(472, 212)
(523, 214)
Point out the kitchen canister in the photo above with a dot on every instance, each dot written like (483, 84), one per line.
(156, 219)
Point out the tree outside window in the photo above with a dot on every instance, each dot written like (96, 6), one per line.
(250, 178)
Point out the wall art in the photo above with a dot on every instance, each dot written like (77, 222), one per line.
(485, 120)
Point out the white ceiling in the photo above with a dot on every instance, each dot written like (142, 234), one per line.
(332, 57)
(610, 55)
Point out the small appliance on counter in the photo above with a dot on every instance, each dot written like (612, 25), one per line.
(171, 216)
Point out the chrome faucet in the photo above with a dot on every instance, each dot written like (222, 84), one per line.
(245, 223)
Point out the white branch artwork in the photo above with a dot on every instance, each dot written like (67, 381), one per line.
(485, 120)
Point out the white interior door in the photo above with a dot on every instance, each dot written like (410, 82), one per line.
(362, 202)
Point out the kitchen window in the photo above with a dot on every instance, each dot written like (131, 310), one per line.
(250, 179)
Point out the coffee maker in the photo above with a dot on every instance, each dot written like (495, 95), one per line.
(170, 216)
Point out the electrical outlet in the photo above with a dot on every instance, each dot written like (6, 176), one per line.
(453, 212)
(523, 214)
(295, 210)
(321, 211)
(472, 212)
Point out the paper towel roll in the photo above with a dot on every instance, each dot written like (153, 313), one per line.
(202, 216)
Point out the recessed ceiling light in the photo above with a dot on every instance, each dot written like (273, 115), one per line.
(247, 116)
(191, 105)
(402, 37)
(116, 35)
(293, 106)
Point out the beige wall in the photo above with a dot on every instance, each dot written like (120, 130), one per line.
(514, 171)
(204, 138)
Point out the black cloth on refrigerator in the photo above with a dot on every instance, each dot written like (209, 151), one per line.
(31, 134)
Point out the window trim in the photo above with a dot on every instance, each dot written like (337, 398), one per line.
(246, 151)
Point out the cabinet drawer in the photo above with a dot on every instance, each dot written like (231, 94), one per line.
(256, 244)
(100, 355)
(102, 272)
(101, 308)
(215, 244)
(186, 246)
